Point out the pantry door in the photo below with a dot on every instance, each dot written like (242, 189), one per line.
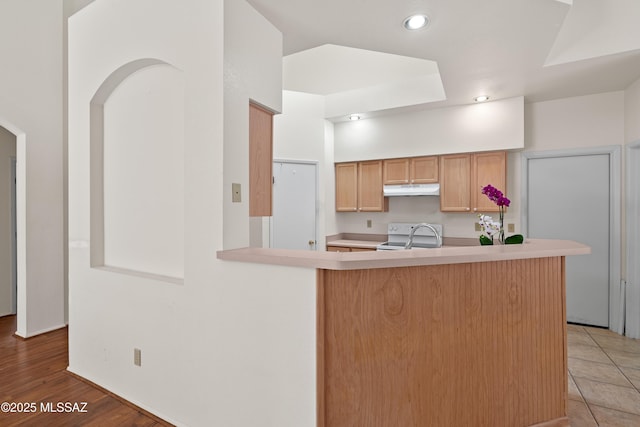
(575, 195)
(294, 217)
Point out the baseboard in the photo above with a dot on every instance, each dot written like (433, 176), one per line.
(122, 400)
(35, 334)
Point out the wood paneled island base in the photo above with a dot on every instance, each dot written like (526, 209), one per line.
(469, 344)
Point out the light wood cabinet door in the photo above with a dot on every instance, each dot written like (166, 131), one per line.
(338, 249)
(370, 197)
(395, 171)
(424, 170)
(347, 187)
(487, 168)
(260, 160)
(455, 183)
(462, 177)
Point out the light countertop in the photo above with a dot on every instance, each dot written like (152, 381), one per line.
(532, 248)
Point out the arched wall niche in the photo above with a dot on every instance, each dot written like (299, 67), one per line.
(137, 171)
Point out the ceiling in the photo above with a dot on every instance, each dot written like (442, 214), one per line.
(539, 49)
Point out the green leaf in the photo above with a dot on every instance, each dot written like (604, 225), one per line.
(516, 239)
(484, 240)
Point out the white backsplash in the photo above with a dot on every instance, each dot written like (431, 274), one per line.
(418, 209)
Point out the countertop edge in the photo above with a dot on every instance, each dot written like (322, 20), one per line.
(532, 248)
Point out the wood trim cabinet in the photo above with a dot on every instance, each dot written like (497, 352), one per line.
(347, 187)
(395, 171)
(462, 177)
(260, 160)
(331, 248)
(423, 170)
(413, 170)
(359, 187)
(487, 168)
(370, 195)
(395, 347)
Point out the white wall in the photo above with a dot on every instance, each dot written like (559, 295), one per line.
(234, 345)
(584, 121)
(31, 85)
(497, 125)
(252, 62)
(7, 152)
(632, 112)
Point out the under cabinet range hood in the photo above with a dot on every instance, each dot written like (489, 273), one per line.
(411, 190)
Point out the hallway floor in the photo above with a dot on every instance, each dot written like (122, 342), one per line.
(36, 389)
(604, 378)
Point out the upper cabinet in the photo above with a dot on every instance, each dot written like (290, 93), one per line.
(395, 171)
(370, 198)
(424, 170)
(359, 187)
(455, 183)
(488, 168)
(462, 177)
(414, 170)
(347, 187)
(260, 160)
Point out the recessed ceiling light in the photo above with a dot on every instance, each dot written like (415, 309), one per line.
(354, 117)
(481, 98)
(415, 22)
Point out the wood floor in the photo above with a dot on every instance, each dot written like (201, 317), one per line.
(33, 378)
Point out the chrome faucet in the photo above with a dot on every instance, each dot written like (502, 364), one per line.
(430, 227)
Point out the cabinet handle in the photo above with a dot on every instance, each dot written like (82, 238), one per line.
(475, 209)
(467, 209)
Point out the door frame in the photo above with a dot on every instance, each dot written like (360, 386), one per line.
(14, 239)
(616, 286)
(632, 325)
(21, 224)
(316, 164)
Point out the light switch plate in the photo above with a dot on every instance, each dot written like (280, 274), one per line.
(478, 228)
(511, 228)
(236, 196)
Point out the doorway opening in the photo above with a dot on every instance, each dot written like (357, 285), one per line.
(8, 227)
(14, 169)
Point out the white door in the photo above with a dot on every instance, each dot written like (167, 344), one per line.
(570, 197)
(293, 224)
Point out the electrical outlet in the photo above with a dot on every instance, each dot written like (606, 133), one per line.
(478, 228)
(368, 223)
(511, 228)
(137, 357)
(236, 193)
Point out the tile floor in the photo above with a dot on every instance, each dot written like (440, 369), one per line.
(604, 378)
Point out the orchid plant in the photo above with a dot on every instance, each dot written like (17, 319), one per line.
(491, 227)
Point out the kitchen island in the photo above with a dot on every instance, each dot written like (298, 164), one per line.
(455, 336)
